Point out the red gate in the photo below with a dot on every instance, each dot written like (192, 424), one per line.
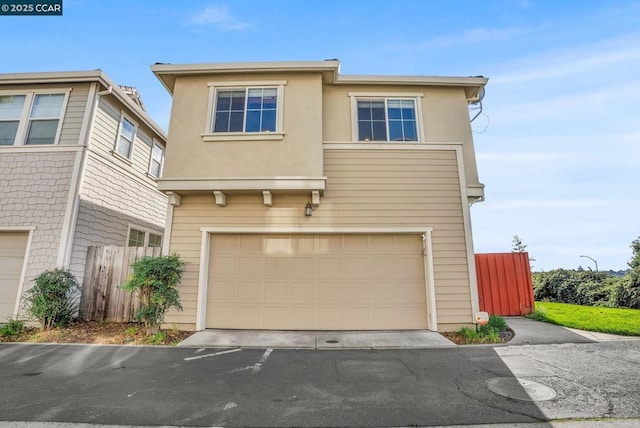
(504, 283)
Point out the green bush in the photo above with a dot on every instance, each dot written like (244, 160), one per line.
(155, 280)
(53, 300)
(579, 287)
(12, 328)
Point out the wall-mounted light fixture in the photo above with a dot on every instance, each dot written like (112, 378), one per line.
(308, 210)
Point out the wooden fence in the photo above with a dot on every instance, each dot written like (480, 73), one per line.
(504, 283)
(106, 269)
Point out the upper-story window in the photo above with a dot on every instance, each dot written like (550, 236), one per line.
(126, 135)
(245, 110)
(386, 118)
(31, 118)
(157, 158)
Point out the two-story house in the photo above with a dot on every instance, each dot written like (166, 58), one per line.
(79, 163)
(304, 199)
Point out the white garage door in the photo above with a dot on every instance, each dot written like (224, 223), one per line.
(316, 282)
(12, 249)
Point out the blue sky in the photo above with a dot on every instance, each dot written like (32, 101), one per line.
(558, 142)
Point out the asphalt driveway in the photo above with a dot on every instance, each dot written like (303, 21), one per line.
(273, 387)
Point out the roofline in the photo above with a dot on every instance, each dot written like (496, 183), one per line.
(412, 80)
(167, 73)
(81, 77)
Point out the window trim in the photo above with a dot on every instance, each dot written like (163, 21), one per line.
(278, 134)
(25, 115)
(146, 232)
(153, 145)
(416, 97)
(115, 151)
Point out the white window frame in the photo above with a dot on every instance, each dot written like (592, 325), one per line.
(151, 174)
(25, 116)
(146, 232)
(115, 151)
(416, 97)
(278, 134)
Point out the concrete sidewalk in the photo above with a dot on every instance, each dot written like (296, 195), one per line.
(317, 339)
(527, 332)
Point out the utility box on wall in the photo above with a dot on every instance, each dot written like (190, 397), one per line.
(505, 286)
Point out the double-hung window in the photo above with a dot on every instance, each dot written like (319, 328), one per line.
(380, 118)
(31, 118)
(245, 110)
(142, 238)
(11, 107)
(126, 135)
(157, 157)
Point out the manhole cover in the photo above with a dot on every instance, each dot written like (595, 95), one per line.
(520, 389)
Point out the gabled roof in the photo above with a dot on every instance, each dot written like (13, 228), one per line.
(330, 70)
(82, 77)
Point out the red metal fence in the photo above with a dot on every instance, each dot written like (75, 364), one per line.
(504, 283)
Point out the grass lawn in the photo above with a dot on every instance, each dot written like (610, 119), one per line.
(592, 318)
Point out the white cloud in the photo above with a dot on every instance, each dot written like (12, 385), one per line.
(220, 17)
(587, 60)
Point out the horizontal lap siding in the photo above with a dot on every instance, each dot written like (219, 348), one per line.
(74, 115)
(365, 188)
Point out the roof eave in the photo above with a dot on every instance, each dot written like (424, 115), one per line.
(167, 73)
(82, 77)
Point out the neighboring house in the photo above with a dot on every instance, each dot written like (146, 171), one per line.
(79, 163)
(304, 199)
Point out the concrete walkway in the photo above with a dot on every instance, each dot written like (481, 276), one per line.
(317, 339)
(527, 332)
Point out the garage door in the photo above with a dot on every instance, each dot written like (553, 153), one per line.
(316, 282)
(12, 249)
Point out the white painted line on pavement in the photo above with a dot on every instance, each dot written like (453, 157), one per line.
(257, 366)
(213, 355)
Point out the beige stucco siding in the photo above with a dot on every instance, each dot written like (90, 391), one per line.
(365, 188)
(298, 153)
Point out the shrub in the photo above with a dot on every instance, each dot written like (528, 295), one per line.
(155, 280)
(53, 300)
(12, 328)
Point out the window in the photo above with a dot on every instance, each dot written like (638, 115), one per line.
(155, 240)
(44, 118)
(157, 157)
(136, 238)
(30, 118)
(387, 120)
(125, 137)
(245, 110)
(10, 113)
(141, 238)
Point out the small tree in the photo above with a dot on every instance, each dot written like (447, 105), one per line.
(517, 246)
(53, 300)
(155, 280)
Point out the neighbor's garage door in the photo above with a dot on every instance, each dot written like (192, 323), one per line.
(12, 248)
(316, 282)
